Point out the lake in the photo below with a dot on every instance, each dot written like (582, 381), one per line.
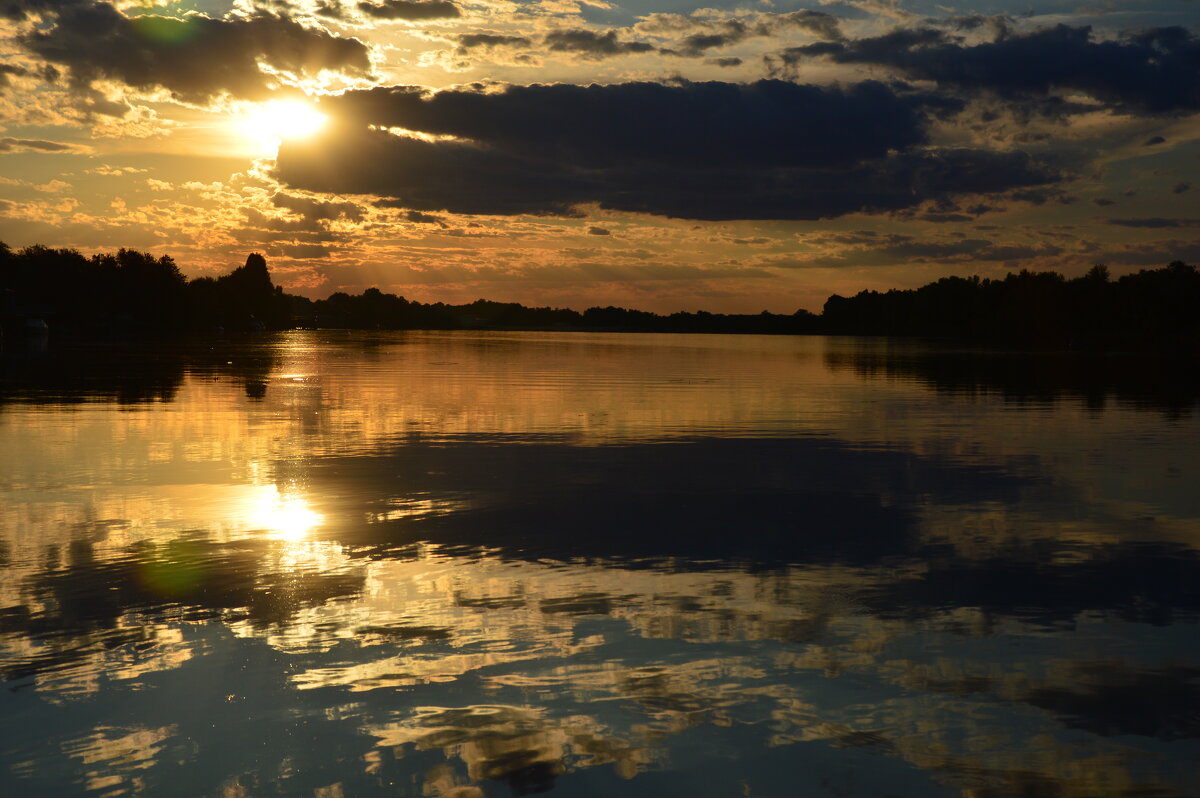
(462, 564)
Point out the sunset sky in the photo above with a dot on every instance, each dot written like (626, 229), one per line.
(659, 154)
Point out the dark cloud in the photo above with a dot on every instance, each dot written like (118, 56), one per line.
(1181, 188)
(1009, 252)
(818, 23)
(331, 9)
(1150, 142)
(1042, 195)
(861, 237)
(472, 41)
(195, 58)
(298, 228)
(592, 45)
(445, 175)
(1103, 202)
(733, 31)
(599, 231)
(409, 10)
(975, 249)
(1152, 71)
(946, 209)
(308, 219)
(9, 144)
(768, 123)
(416, 217)
(1153, 253)
(22, 9)
(1155, 222)
(471, 47)
(946, 217)
(298, 250)
(765, 150)
(318, 210)
(728, 61)
(998, 23)
(422, 218)
(710, 34)
(873, 249)
(8, 71)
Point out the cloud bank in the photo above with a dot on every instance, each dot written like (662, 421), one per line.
(713, 150)
(1150, 71)
(195, 58)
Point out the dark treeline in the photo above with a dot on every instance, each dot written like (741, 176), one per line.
(374, 309)
(1151, 309)
(132, 291)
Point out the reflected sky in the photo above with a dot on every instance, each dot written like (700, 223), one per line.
(487, 564)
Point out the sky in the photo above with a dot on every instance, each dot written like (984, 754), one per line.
(658, 154)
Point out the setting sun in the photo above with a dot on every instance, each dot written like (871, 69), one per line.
(270, 123)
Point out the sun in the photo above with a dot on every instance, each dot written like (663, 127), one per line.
(269, 124)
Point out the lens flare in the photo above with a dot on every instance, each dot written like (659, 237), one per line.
(165, 30)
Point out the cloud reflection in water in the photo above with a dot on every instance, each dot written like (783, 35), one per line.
(471, 565)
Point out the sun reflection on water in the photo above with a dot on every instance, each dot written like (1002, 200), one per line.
(284, 516)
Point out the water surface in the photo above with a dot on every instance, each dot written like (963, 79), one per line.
(464, 564)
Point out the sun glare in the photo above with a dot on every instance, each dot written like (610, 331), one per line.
(285, 517)
(271, 123)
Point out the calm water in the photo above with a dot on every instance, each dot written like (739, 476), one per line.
(455, 565)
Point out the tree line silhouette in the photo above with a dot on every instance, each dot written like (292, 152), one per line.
(374, 309)
(134, 292)
(1150, 309)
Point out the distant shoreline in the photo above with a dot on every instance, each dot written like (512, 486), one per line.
(131, 295)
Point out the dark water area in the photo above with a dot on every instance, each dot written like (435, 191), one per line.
(463, 564)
